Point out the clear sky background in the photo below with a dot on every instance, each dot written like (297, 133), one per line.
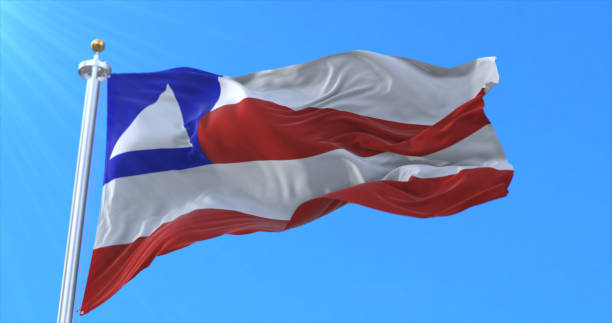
(542, 254)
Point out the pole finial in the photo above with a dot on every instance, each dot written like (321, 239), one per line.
(97, 45)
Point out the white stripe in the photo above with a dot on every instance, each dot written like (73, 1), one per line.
(135, 206)
(369, 84)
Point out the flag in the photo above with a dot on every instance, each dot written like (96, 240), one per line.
(192, 155)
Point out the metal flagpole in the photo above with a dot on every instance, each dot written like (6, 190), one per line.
(94, 71)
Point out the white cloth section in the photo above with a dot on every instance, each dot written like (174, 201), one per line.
(135, 206)
(369, 84)
(160, 125)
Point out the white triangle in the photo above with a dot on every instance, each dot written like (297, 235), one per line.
(157, 126)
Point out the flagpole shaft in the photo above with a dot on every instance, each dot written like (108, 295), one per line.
(95, 71)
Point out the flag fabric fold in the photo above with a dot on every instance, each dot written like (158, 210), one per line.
(193, 155)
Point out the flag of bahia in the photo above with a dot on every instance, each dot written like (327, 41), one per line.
(192, 155)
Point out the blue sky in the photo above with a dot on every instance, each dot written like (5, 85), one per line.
(542, 254)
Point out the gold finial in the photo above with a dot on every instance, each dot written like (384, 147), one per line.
(97, 45)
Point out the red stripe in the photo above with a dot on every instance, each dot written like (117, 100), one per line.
(112, 267)
(255, 129)
(418, 197)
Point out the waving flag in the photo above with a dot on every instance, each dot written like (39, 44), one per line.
(192, 155)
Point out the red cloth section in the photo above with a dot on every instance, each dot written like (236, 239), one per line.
(418, 197)
(112, 267)
(255, 129)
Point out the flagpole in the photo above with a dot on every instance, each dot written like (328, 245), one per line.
(94, 71)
